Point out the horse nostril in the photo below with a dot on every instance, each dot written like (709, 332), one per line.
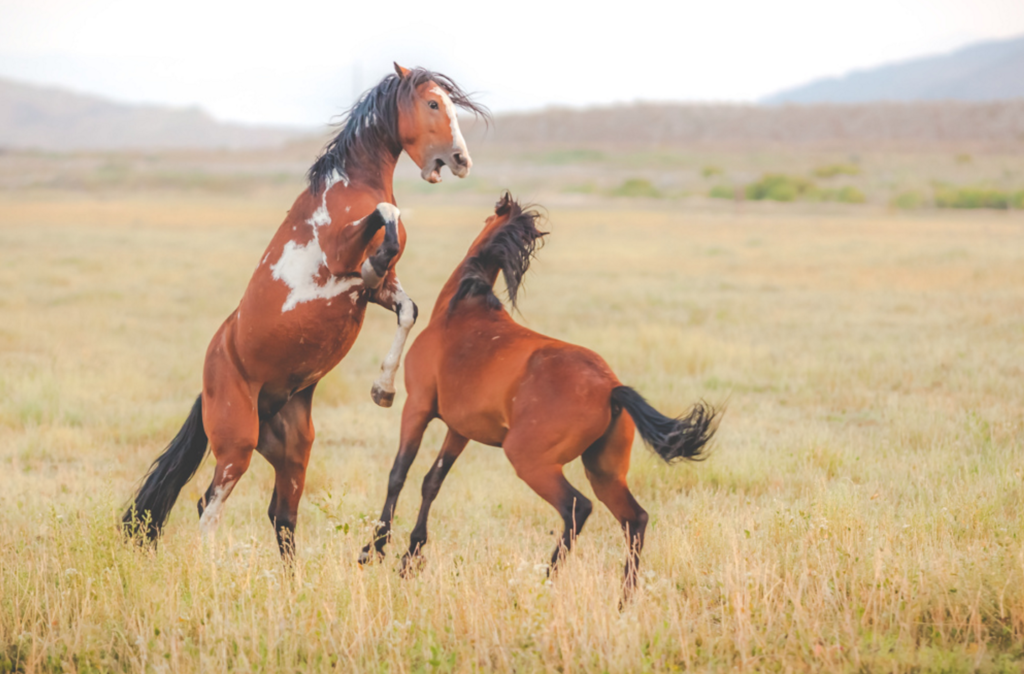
(459, 159)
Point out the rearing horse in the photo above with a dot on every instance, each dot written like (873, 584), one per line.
(302, 310)
(543, 401)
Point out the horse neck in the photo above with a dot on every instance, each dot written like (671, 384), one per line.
(376, 171)
(444, 298)
(452, 285)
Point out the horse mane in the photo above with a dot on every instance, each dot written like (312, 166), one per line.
(370, 126)
(509, 249)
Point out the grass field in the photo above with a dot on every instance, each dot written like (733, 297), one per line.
(862, 510)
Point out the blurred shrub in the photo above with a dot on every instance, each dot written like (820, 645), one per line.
(976, 197)
(711, 171)
(636, 187)
(908, 200)
(833, 170)
(779, 187)
(725, 192)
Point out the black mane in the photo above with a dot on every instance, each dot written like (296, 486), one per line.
(510, 249)
(370, 127)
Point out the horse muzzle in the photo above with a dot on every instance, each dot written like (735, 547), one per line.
(457, 160)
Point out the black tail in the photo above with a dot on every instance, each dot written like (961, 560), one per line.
(168, 474)
(671, 439)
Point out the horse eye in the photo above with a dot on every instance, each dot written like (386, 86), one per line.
(433, 105)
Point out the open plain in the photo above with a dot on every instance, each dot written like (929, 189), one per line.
(862, 508)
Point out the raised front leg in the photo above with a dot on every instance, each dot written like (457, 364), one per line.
(375, 268)
(392, 296)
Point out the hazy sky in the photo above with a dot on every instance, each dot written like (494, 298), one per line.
(299, 62)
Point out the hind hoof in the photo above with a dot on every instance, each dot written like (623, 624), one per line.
(382, 397)
(368, 556)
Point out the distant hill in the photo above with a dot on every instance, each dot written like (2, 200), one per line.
(998, 125)
(44, 118)
(986, 71)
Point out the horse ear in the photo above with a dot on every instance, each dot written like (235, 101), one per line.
(400, 71)
(504, 204)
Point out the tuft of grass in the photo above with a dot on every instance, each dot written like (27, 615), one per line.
(637, 187)
(711, 171)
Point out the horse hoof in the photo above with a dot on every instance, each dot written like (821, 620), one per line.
(365, 557)
(382, 397)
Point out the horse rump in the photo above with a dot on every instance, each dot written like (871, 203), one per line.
(169, 473)
(673, 440)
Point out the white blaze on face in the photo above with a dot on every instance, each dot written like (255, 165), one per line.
(301, 264)
(458, 142)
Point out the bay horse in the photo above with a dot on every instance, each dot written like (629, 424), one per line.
(303, 308)
(543, 401)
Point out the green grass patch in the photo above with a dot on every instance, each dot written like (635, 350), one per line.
(780, 187)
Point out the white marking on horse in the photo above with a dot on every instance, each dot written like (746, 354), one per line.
(295, 485)
(458, 142)
(386, 379)
(299, 265)
(211, 514)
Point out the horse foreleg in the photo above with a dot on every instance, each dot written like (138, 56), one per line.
(375, 268)
(450, 450)
(392, 296)
(414, 422)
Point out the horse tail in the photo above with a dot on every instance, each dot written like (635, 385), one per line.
(672, 439)
(169, 473)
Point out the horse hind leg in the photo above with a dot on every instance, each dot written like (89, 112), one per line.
(606, 463)
(285, 441)
(232, 424)
(546, 478)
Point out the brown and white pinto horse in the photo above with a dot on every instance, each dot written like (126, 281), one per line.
(543, 401)
(335, 252)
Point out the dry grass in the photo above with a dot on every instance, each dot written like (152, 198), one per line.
(862, 509)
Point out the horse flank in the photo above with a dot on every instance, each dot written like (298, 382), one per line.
(509, 249)
(370, 127)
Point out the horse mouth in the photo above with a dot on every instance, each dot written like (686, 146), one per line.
(432, 172)
(457, 162)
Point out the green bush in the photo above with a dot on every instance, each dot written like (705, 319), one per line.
(724, 192)
(833, 170)
(779, 187)
(711, 171)
(636, 187)
(974, 197)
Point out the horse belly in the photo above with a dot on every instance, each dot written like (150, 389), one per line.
(296, 351)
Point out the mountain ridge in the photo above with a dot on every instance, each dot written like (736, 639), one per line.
(55, 119)
(983, 71)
